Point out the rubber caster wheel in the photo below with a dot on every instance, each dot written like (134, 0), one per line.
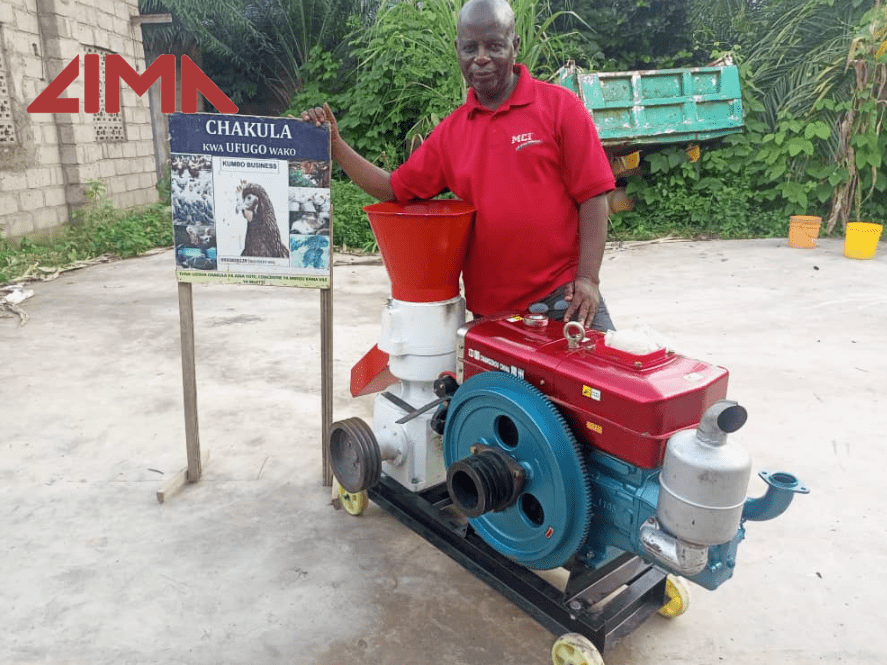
(354, 503)
(678, 597)
(575, 649)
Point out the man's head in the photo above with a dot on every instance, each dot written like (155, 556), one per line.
(486, 46)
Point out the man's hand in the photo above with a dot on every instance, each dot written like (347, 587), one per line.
(318, 116)
(584, 296)
(372, 179)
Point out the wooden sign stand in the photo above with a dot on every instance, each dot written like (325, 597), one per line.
(191, 135)
(196, 459)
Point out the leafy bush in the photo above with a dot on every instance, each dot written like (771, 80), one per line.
(351, 226)
(98, 228)
(407, 76)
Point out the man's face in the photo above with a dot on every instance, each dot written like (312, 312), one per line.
(486, 47)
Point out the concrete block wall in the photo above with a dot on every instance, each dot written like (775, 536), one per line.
(44, 173)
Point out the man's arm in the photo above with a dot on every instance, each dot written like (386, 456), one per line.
(583, 294)
(372, 179)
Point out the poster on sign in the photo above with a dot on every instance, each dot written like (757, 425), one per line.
(250, 200)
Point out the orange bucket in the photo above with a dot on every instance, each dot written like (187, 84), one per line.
(803, 230)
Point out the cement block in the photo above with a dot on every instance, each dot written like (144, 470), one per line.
(9, 203)
(77, 134)
(11, 181)
(18, 44)
(48, 155)
(33, 68)
(118, 44)
(25, 21)
(49, 218)
(31, 199)
(54, 196)
(83, 33)
(70, 154)
(18, 225)
(46, 134)
(38, 178)
(115, 150)
(124, 10)
(148, 181)
(67, 135)
(106, 168)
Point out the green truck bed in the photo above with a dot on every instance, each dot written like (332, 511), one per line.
(659, 106)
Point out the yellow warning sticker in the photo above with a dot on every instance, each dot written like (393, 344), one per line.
(594, 393)
(515, 319)
(594, 428)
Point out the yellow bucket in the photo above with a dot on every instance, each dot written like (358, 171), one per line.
(861, 240)
(803, 230)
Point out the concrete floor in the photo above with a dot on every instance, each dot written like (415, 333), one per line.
(252, 565)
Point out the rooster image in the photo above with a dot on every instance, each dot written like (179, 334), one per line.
(262, 233)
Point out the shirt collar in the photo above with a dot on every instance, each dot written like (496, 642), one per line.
(522, 94)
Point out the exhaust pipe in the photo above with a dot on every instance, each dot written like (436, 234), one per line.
(781, 489)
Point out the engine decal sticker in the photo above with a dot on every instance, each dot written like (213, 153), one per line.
(692, 377)
(515, 319)
(594, 427)
(594, 393)
(495, 364)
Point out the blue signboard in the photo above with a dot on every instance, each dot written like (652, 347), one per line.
(251, 200)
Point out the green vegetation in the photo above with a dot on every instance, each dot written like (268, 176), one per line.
(351, 228)
(812, 77)
(98, 228)
(813, 72)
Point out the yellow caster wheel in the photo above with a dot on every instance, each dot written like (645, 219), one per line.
(354, 503)
(575, 649)
(678, 597)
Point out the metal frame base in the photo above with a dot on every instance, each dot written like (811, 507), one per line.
(604, 604)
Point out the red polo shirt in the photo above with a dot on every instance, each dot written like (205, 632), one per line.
(526, 167)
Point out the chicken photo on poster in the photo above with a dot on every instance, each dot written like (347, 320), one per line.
(192, 211)
(309, 228)
(251, 214)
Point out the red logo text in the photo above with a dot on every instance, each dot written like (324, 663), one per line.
(116, 70)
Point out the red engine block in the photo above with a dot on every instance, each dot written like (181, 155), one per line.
(624, 404)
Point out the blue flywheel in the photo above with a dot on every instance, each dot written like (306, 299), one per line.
(549, 520)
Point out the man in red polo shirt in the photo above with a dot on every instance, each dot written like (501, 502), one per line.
(526, 154)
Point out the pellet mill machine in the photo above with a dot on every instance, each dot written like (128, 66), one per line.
(518, 443)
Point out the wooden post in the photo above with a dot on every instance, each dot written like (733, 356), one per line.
(326, 376)
(189, 382)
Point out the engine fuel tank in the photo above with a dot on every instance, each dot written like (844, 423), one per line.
(624, 404)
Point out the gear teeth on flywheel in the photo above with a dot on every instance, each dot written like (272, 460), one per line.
(541, 401)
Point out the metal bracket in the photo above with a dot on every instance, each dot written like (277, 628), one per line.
(643, 585)
(412, 412)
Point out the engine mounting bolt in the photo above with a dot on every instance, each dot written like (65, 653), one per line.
(575, 605)
(637, 363)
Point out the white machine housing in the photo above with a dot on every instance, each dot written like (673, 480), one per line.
(420, 339)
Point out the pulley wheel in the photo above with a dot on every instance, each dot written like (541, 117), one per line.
(354, 455)
(548, 521)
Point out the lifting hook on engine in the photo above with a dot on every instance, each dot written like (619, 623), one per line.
(573, 338)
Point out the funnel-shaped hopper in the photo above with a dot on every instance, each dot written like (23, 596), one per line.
(423, 244)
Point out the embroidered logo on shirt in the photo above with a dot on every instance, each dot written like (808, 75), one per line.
(523, 140)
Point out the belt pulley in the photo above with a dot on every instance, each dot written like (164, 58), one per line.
(515, 469)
